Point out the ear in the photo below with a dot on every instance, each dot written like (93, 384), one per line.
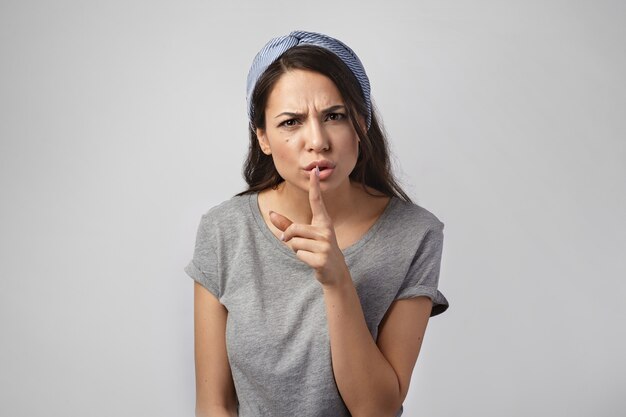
(264, 143)
(362, 123)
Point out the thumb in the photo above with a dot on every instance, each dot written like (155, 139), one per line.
(280, 221)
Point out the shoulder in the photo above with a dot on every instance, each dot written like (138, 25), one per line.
(228, 209)
(414, 217)
(409, 226)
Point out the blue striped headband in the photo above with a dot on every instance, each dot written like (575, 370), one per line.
(277, 46)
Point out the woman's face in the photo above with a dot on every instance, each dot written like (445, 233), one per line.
(306, 121)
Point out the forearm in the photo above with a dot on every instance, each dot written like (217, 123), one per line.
(366, 381)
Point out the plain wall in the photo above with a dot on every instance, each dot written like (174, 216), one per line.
(122, 122)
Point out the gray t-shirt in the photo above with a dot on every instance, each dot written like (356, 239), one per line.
(276, 332)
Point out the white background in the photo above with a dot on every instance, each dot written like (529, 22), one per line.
(122, 122)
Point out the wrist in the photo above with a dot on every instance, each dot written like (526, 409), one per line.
(344, 282)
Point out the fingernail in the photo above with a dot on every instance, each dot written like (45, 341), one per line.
(317, 171)
(282, 236)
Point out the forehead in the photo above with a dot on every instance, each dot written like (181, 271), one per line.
(299, 89)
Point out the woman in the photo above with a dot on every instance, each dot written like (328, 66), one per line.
(315, 285)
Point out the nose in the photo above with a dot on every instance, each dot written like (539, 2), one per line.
(316, 137)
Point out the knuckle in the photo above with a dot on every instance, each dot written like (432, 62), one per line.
(290, 231)
(324, 258)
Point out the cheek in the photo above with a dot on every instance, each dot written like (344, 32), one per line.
(350, 146)
(283, 156)
(280, 157)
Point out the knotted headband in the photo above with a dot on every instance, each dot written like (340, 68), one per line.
(277, 46)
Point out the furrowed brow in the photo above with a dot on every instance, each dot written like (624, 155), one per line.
(333, 108)
(290, 114)
(325, 111)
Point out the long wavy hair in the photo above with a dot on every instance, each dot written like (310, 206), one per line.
(373, 166)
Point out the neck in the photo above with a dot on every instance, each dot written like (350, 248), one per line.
(340, 202)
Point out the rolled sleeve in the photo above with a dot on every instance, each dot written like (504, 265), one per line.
(422, 278)
(203, 266)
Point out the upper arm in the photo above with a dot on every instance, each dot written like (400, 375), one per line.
(214, 382)
(400, 336)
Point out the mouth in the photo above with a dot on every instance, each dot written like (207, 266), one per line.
(325, 172)
(323, 164)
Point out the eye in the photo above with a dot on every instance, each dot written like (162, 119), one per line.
(288, 123)
(336, 116)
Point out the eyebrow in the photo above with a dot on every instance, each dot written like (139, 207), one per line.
(328, 110)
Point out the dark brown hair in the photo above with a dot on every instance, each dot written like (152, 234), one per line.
(373, 166)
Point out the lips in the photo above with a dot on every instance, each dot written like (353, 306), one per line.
(321, 163)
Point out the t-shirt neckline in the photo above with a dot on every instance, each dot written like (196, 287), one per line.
(265, 230)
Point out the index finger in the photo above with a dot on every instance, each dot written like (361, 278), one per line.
(318, 209)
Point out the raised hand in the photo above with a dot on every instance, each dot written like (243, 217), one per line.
(315, 244)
